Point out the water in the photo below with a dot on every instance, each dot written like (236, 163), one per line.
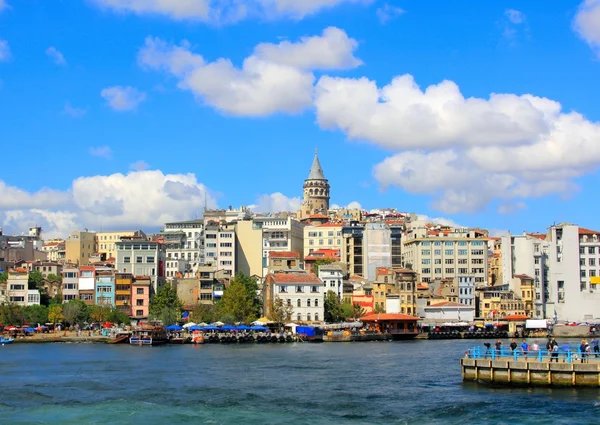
(416, 382)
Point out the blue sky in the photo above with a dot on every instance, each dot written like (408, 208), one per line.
(130, 113)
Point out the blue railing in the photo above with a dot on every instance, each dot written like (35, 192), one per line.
(562, 355)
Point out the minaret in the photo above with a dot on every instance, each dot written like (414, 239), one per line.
(316, 191)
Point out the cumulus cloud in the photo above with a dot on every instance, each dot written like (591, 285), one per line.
(352, 205)
(224, 11)
(4, 50)
(140, 165)
(136, 199)
(55, 56)
(73, 111)
(514, 16)
(122, 98)
(587, 23)
(101, 151)
(466, 152)
(387, 12)
(276, 202)
(3, 5)
(515, 25)
(442, 221)
(276, 78)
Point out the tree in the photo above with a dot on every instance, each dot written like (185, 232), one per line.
(320, 262)
(99, 313)
(281, 312)
(35, 314)
(251, 286)
(116, 316)
(238, 302)
(35, 280)
(165, 305)
(347, 310)
(203, 313)
(11, 314)
(55, 314)
(72, 311)
(333, 308)
(358, 311)
(3, 277)
(54, 278)
(379, 309)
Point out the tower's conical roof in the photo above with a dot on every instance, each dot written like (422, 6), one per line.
(316, 172)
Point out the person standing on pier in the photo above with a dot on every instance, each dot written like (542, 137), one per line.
(525, 348)
(513, 345)
(595, 347)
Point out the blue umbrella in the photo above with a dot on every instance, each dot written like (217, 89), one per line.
(228, 328)
(243, 328)
(211, 328)
(259, 328)
(173, 328)
(196, 328)
(30, 330)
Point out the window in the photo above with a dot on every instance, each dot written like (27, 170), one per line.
(477, 252)
(308, 317)
(437, 261)
(138, 259)
(438, 271)
(449, 261)
(139, 302)
(226, 235)
(70, 286)
(316, 317)
(206, 297)
(14, 287)
(582, 273)
(582, 250)
(426, 243)
(463, 271)
(282, 289)
(476, 261)
(289, 302)
(437, 243)
(70, 297)
(449, 270)
(537, 260)
(462, 261)
(299, 317)
(426, 271)
(140, 291)
(425, 261)
(462, 243)
(425, 252)
(299, 289)
(592, 262)
(592, 273)
(225, 244)
(314, 289)
(139, 312)
(437, 252)
(316, 304)
(592, 250)
(150, 260)
(462, 252)
(298, 302)
(308, 302)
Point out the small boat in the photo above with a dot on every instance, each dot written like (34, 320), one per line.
(148, 335)
(197, 337)
(120, 338)
(177, 338)
(4, 340)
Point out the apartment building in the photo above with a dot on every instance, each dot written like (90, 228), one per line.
(184, 241)
(123, 292)
(105, 287)
(220, 246)
(323, 236)
(106, 241)
(303, 291)
(87, 284)
(79, 247)
(352, 248)
(55, 250)
(395, 290)
(332, 276)
(17, 288)
(70, 284)
(141, 257)
(445, 253)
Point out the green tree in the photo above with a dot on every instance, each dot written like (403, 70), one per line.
(320, 262)
(281, 312)
(165, 305)
(3, 277)
(379, 309)
(72, 311)
(333, 308)
(11, 314)
(358, 311)
(239, 301)
(55, 314)
(251, 286)
(99, 313)
(54, 278)
(203, 313)
(116, 316)
(35, 314)
(35, 280)
(347, 310)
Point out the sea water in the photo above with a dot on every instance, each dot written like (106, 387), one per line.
(413, 382)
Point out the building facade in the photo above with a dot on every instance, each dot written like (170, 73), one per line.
(106, 242)
(70, 284)
(79, 247)
(140, 298)
(303, 291)
(141, 257)
(323, 236)
(315, 192)
(332, 276)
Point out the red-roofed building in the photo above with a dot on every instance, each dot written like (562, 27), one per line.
(303, 291)
(397, 326)
(283, 261)
(321, 254)
(323, 236)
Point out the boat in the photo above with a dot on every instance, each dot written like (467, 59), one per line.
(120, 338)
(4, 340)
(198, 337)
(148, 335)
(178, 338)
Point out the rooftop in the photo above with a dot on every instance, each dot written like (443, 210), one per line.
(293, 278)
(584, 231)
(449, 304)
(316, 171)
(283, 254)
(389, 317)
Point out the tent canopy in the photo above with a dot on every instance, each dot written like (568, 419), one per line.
(189, 325)
(259, 328)
(173, 328)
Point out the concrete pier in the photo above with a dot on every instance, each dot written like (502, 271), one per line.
(505, 371)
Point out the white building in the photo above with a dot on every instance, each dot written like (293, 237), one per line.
(184, 242)
(332, 276)
(466, 291)
(377, 248)
(448, 311)
(574, 262)
(141, 258)
(303, 291)
(323, 236)
(279, 234)
(173, 266)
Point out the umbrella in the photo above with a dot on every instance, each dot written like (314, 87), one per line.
(218, 324)
(211, 328)
(30, 330)
(228, 328)
(107, 325)
(189, 325)
(259, 328)
(243, 328)
(196, 328)
(202, 324)
(11, 328)
(173, 328)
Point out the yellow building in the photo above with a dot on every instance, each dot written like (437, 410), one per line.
(105, 241)
(323, 236)
(527, 289)
(495, 262)
(123, 282)
(249, 249)
(495, 303)
(79, 247)
(396, 290)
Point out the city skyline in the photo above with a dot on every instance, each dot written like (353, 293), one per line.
(123, 115)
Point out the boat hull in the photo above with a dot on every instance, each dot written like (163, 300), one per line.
(5, 341)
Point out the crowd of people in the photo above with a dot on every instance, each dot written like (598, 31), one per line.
(585, 350)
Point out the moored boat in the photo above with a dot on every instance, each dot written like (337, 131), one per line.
(148, 335)
(198, 337)
(4, 340)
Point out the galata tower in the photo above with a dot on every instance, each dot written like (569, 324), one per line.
(316, 191)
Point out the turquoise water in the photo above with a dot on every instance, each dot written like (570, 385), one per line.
(415, 382)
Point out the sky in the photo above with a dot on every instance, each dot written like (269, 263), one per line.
(123, 114)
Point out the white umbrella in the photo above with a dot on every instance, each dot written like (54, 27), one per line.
(187, 325)
(218, 323)
(202, 324)
(258, 323)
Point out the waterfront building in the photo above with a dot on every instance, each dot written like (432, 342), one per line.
(303, 291)
(123, 290)
(449, 312)
(574, 265)
(220, 246)
(55, 250)
(70, 283)
(466, 290)
(184, 242)
(322, 236)
(140, 298)
(141, 257)
(105, 287)
(446, 253)
(79, 247)
(17, 288)
(106, 242)
(87, 284)
(315, 192)
(332, 276)
(496, 302)
(398, 288)
(212, 283)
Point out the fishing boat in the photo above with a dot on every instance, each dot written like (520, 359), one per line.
(4, 340)
(148, 335)
(177, 338)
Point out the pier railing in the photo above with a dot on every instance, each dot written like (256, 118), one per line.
(563, 355)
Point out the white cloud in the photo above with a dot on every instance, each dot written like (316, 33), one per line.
(514, 16)
(511, 207)
(137, 199)
(224, 11)
(587, 23)
(386, 13)
(3, 5)
(466, 152)
(276, 202)
(122, 98)
(352, 205)
(140, 165)
(101, 151)
(275, 79)
(442, 221)
(4, 50)
(73, 111)
(56, 56)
